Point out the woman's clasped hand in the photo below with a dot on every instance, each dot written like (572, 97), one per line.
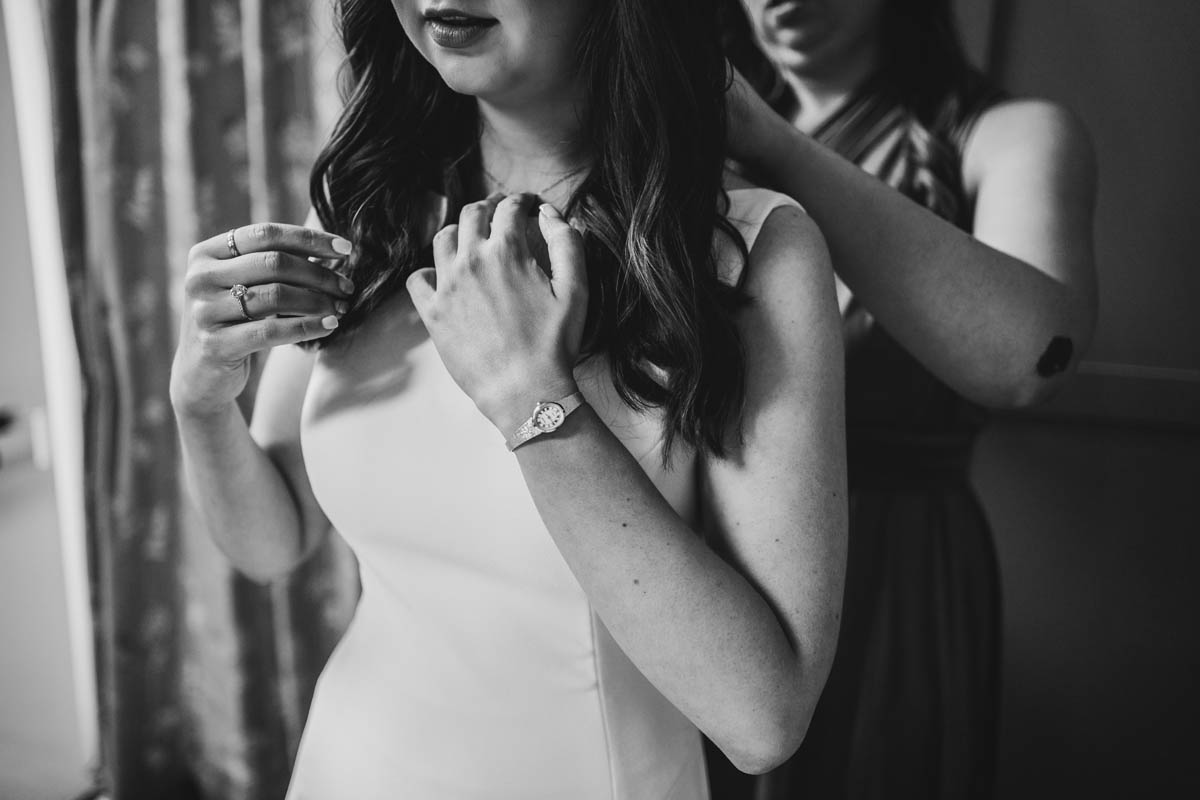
(254, 288)
(508, 333)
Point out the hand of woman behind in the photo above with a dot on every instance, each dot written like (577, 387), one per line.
(748, 119)
(248, 290)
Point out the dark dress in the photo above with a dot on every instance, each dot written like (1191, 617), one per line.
(910, 709)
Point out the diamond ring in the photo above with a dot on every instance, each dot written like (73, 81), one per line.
(239, 291)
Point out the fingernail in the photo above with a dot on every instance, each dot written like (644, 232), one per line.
(549, 210)
(341, 246)
(346, 285)
(329, 323)
(341, 306)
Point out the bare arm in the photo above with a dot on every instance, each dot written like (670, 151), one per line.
(254, 496)
(741, 644)
(980, 312)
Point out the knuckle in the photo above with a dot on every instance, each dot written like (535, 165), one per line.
(273, 263)
(271, 295)
(194, 253)
(199, 313)
(209, 344)
(472, 261)
(261, 334)
(305, 328)
(265, 231)
(194, 282)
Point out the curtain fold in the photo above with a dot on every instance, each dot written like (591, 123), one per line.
(176, 120)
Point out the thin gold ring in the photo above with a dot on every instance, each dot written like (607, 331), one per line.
(231, 243)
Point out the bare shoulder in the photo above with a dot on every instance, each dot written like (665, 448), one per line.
(1028, 133)
(789, 253)
(791, 329)
(280, 397)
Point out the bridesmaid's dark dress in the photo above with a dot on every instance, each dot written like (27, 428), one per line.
(910, 709)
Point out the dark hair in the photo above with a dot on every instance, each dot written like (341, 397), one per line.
(922, 67)
(655, 77)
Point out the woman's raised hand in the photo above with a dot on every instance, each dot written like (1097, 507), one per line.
(508, 334)
(249, 290)
(749, 121)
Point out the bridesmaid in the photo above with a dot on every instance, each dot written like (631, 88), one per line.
(967, 281)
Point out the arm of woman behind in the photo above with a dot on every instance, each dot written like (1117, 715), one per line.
(740, 641)
(991, 314)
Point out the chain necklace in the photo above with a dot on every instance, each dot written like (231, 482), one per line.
(541, 192)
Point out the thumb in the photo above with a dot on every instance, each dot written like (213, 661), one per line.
(568, 269)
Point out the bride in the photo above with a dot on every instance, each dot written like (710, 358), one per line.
(571, 393)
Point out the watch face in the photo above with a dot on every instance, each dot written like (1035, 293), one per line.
(548, 417)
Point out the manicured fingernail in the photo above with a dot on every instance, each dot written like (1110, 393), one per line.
(549, 210)
(329, 323)
(346, 285)
(341, 306)
(342, 246)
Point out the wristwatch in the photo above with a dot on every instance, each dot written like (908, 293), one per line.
(548, 416)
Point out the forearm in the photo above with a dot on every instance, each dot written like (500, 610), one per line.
(240, 494)
(704, 636)
(979, 318)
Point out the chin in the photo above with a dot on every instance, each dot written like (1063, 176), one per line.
(468, 80)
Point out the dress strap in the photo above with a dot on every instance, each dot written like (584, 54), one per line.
(748, 212)
(749, 209)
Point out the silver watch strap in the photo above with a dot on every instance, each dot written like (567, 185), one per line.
(529, 429)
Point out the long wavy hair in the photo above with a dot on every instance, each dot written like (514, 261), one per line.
(655, 79)
(923, 68)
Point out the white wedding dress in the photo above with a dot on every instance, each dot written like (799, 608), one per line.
(474, 668)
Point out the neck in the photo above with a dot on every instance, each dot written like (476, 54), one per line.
(527, 150)
(821, 89)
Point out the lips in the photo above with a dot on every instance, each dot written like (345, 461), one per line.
(454, 29)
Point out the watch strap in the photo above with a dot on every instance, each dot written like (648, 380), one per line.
(529, 429)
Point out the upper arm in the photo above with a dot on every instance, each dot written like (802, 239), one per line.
(775, 506)
(275, 427)
(1032, 170)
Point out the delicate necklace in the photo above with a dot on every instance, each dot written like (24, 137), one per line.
(541, 192)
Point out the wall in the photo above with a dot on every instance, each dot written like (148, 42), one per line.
(1092, 498)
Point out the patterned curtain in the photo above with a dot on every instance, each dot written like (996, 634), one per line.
(175, 120)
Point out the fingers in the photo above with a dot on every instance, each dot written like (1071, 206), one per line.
(266, 236)
(274, 267)
(475, 220)
(445, 246)
(267, 300)
(568, 271)
(235, 342)
(422, 285)
(508, 220)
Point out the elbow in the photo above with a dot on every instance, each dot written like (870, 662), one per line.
(1042, 368)
(769, 749)
(774, 739)
(1026, 392)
